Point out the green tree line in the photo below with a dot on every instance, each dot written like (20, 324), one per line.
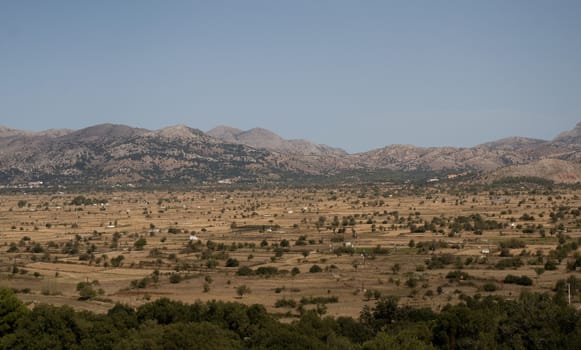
(531, 321)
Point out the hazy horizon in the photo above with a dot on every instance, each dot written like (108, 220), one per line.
(353, 75)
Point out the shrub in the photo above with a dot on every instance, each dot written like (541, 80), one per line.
(231, 262)
(86, 290)
(513, 243)
(266, 271)
(411, 282)
(509, 263)
(315, 268)
(550, 265)
(489, 287)
(211, 263)
(319, 300)
(521, 281)
(117, 261)
(140, 243)
(284, 302)
(440, 261)
(175, 278)
(242, 290)
(245, 271)
(457, 275)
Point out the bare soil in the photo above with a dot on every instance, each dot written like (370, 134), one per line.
(49, 245)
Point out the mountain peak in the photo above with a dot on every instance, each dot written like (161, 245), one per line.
(265, 139)
(119, 153)
(224, 133)
(261, 138)
(570, 137)
(105, 131)
(512, 143)
(179, 131)
(8, 132)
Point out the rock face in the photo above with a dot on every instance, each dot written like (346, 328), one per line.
(486, 157)
(224, 133)
(265, 139)
(569, 138)
(112, 154)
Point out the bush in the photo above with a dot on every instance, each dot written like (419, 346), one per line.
(489, 287)
(550, 265)
(411, 282)
(457, 275)
(86, 290)
(140, 243)
(175, 278)
(315, 268)
(117, 261)
(284, 302)
(242, 290)
(521, 281)
(513, 243)
(266, 271)
(231, 262)
(440, 261)
(211, 264)
(509, 263)
(143, 283)
(245, 271)
(319, 300)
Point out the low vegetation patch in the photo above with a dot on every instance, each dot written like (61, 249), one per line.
(521, 281)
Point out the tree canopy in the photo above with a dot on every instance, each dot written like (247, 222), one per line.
(532, 321)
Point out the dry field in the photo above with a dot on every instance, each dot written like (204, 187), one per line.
(140, 246)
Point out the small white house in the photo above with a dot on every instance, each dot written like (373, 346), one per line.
(485, 251)
(194, 238)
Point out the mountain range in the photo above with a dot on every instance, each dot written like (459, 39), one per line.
(110, 154)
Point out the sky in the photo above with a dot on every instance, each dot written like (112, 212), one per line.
(352, 74)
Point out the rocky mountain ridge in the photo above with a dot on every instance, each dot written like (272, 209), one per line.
(120, 154)
(266, 139)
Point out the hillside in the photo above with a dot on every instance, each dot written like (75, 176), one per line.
(484, 158)
(556, 170)
(120, 154)
(265, 139)
(110, 154)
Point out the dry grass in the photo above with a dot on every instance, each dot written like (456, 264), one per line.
(52, 222)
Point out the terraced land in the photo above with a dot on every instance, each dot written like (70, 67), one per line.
(333, 249)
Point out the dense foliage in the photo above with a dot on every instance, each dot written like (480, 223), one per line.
(533, 321)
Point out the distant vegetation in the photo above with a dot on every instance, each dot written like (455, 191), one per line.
(510, 180)
(532, 321)
(82, 200)
(324, 262)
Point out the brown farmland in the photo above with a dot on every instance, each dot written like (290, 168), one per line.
(335, 249)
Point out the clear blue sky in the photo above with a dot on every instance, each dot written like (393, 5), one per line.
(351, 74)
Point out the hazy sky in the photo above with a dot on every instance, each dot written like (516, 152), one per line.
(351, 74)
